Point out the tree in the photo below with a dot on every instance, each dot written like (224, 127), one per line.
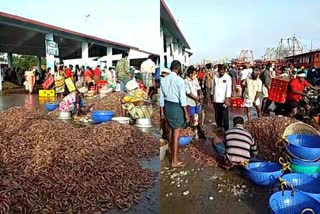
(26, 61)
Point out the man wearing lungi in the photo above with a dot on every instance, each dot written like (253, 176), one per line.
(173, 107)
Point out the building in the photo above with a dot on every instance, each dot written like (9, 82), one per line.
(309, 59)
(21, 35)
(173, 44)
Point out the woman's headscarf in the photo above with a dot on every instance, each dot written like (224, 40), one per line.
(131, 85)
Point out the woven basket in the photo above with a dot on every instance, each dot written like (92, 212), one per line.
(300, 128)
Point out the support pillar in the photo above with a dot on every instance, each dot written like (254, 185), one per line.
(39, 65)
(85, 53)
(109, 57)
(128, 58)
(0, 80)
(161, 63)
(10, 60)
(49, 58)
(169, 53)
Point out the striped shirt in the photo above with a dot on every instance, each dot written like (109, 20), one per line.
(239, 145)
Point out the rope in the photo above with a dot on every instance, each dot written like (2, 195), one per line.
(285, 184)
(285, 163)
(244, 163)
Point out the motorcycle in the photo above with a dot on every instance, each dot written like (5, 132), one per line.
(312, 100)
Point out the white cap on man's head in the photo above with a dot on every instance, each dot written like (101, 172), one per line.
(166, 70)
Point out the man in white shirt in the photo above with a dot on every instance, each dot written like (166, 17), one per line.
(245, 73)
(252, 89)
(148, 68)
(194, 99)
(221, 91)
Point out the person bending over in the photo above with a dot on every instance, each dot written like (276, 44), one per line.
(239, 145)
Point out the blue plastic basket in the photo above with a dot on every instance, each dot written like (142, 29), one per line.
(304, 147)
(219, 148)
(304, 163)
(304, 183)
(101, 116)
(263, 173)
(287, 203)
(185, 140)
(51, 106)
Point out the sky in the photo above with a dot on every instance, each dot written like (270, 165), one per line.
(132, 22)
(216, 29)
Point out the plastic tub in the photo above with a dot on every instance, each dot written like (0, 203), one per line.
(304, 147)
(51, 106)
(287, 202)
(185, 140)
(101, 116)
(144, 122)
(263, 173)
(65, 115)
(122, 120)
(304, 183)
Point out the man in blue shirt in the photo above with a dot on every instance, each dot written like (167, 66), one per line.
(173, 107)
(157, 77)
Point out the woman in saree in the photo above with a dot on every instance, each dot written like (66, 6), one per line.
(59, 81)
(136, 102)
(73, 102)
(30, 80)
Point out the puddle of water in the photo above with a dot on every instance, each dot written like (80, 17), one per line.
(29, 101)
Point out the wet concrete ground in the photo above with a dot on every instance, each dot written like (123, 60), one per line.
(150, 200)
(195, 189)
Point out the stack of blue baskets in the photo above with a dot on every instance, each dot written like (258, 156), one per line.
(301, 192)
(305, 153)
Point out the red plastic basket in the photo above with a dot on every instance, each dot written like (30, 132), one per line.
(279, 85)
(48, 82)
(276, 96)
(100, 84)
(236, 102)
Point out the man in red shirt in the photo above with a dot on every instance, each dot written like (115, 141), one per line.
(295, 93)
(97, 74)
(68, 72)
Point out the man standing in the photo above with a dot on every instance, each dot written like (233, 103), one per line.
(173, 107)
(234, 77)
(266, 78)
(122, 69)
(221, 92)
(157, 77)
(194, 100)
(148, 68)
(209, 82)
(252, 88)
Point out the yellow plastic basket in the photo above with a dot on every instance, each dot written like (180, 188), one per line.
(47, 93)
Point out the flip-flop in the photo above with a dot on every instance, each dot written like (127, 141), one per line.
(178, 165)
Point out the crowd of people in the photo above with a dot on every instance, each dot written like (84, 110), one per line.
(183, 94)
(135, 84)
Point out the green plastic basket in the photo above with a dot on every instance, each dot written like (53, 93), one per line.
(309, 170)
